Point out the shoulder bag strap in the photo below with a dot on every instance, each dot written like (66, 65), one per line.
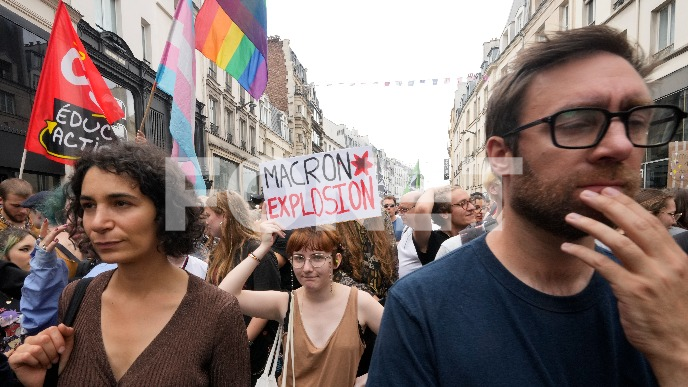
(70, 315)
(289, 346)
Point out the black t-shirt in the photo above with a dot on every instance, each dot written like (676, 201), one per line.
(434, 243)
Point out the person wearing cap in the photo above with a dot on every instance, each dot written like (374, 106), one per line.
(32, 202)
(48, 205)
(12, 193)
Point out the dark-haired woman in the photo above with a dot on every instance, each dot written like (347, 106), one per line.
(148, 322)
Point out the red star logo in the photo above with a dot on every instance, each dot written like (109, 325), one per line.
(361, 163)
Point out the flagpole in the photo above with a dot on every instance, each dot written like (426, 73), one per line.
(148, 105)
(21, 168)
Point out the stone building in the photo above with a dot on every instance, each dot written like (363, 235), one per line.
(657, 27)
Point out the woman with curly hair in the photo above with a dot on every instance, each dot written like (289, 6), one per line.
(229, 219)
(369, 259)
(369, 262)
(136, 323)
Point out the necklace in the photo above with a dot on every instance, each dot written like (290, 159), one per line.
(27, 225)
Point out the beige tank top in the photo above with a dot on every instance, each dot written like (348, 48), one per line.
(335, 364)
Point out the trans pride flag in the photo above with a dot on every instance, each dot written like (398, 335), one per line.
(233, 34)
(177, 77)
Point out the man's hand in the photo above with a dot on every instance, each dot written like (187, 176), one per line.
(652, 285)
(51, 347)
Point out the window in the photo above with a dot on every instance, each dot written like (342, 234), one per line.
(146, 40)
(6, 70)
(564, 17)
(665, 26)
(212, 71)
(225, 174)
(7, 103)
(212, 114)
(228, 83)
(252, 139)
(589, 12)
(243, 134)
(229, 124)
(156, 123)
(106, 15)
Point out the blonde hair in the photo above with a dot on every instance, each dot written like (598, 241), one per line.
(235, 232)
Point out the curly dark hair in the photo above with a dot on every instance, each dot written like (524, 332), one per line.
(159, 179)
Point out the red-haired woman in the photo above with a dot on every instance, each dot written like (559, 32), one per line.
(329, 317)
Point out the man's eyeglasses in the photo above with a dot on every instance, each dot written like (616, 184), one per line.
(674, 215)
(579, 128)
(464, 204)
(482, 209)
(317, 260)
(389, 205)
(403, 210)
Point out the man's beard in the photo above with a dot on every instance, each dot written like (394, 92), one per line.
(11, 218)
(546, 203)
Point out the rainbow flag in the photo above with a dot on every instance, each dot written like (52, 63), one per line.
(177, 77)
(233, 34)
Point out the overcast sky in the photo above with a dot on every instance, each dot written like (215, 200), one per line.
(358, 41)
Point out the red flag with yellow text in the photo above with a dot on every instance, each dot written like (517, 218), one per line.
(74, 107)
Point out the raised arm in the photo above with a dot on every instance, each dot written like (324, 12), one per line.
(271, 305)
(44, 284)
(422, 220)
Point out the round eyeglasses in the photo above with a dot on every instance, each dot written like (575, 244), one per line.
(316, 259)
(465, 204)
(578, 128)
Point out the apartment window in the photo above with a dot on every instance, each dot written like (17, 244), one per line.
(665, 26)
(146, 40)
(7, 103)
(212, 71)
(564, 17)
(106, 14)
(243, 134)
(212, 113)
(228, 83)
(229, 124)
(252, 139)
(6, 70)
(589, 12)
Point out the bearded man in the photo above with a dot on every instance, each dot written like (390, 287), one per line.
(534, 302)
(12, 214)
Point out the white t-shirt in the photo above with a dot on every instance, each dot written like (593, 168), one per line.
(408, 257)
(194, 266)
(448, 246)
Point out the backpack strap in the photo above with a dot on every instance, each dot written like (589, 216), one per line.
(75, 302)
(70, 315)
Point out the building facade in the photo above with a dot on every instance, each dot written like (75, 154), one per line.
(655, 25)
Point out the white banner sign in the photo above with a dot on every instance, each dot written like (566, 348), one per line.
(321, 188)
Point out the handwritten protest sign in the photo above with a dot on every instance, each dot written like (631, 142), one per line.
(321, 188)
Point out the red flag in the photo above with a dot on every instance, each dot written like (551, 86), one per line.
(74, 107)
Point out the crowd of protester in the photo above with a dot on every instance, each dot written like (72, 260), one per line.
(537, 274)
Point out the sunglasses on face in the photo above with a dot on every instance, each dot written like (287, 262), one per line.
(389, 205)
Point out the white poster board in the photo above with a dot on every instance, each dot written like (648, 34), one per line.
(321, 188)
